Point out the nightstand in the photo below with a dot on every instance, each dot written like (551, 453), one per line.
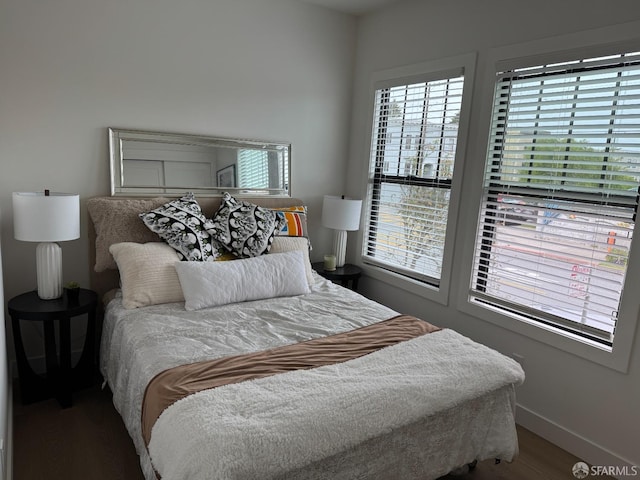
(61, 378)
(347, 275)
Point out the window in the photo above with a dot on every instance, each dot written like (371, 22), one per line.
(262, 169)
(415, 132)
(560, 195)
(253, 168)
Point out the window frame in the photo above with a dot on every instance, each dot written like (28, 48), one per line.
(426, 71)
(618, 356)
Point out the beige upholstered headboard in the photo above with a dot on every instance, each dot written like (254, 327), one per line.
(115, 219)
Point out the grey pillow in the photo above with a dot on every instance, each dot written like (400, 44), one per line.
(181, 224)
(243, 228)
(116, 220)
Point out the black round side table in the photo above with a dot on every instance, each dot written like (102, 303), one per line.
(61, 378)
(345, 275)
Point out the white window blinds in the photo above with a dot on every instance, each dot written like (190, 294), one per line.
(253, 169)
(561, 194)
(413, 145)
(263, 169)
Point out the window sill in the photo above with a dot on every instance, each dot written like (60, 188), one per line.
(416, 287)
(616, 358)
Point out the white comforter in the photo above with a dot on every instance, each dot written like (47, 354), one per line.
(135, 347)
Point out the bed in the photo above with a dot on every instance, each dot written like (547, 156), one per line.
(357, 390)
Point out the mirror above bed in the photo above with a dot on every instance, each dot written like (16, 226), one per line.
(157, 163)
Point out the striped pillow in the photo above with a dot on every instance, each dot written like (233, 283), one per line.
(294, 220)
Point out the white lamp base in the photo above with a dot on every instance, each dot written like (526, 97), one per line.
(340, 247)
(49, 270)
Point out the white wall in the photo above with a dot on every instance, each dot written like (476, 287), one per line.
(276, 70)
(586, 408)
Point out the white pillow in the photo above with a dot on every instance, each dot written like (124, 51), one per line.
(209, 284)
(147, 275)
(288, 244)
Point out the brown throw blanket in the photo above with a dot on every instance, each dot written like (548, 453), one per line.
(171, 385)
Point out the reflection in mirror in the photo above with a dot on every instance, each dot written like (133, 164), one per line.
(150, 163)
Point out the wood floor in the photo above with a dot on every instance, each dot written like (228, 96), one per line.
(89, 441)
(85, 442)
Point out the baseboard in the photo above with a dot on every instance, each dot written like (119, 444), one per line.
(581, 447)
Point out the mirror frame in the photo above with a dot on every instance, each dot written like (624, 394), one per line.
(119, 187)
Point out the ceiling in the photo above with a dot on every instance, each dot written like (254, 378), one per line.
(354, 7)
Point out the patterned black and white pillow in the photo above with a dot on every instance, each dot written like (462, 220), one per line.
(243, 228)
(181, 224)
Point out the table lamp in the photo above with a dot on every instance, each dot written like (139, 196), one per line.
(47, 217)
(342, 215)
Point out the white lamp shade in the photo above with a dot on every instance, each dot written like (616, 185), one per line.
(341, 213)
(46, 218)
